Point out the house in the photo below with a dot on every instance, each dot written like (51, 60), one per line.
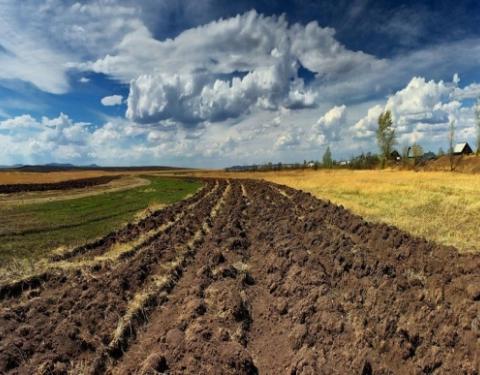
(395, 155)
(462, 149)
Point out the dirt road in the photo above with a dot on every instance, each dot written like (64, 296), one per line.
(248, 277)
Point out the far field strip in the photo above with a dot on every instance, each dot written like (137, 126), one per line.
(121, 184)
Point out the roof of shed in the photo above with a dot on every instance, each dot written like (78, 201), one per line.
(459, 147)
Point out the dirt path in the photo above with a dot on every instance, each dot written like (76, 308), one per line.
(248, 277)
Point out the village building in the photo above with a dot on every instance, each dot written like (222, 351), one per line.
(462, 149)
(395, 155)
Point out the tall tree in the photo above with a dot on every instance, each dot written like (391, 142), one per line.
(417, 152)
(327, 158)
(386, 137)
(451, 144)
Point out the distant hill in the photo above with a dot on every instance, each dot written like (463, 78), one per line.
(55, 167)
(11, 166)
(47, 167)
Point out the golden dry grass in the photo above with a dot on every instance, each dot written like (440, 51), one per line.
(441, 206)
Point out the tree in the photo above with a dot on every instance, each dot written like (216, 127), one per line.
(327, 158)
(440, 152)
(477, 122)
(405, 155)
(417, 152)
(451, 143)
(386, 137)
(364, 161)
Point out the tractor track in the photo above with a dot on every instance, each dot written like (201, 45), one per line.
(248, 277)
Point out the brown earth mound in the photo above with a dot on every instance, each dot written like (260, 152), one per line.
(63, 185)
(248, 277)
(461, 163)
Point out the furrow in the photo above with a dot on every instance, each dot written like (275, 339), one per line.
(208, 315)
(115, 247)
(257, 278)
(155, 292)
(131, 232)
(90, 300)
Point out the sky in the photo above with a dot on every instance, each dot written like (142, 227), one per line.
(210, 83)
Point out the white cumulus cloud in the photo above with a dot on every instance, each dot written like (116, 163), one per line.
(422, 111)
(112, 100)
(231, 89)
(332, 123)
(260, 57)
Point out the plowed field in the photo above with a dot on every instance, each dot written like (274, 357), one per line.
(247, 277)
(64, 185)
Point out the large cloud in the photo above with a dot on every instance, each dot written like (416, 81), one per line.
(193, 98)
(42, 39)
(332, 123)
(257, 46)
(28, 140)
(422, 111)
(266, 49)
(326, 130)
(241, 43)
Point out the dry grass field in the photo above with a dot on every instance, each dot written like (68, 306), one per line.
(441, 206)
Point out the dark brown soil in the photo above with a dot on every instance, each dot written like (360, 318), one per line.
(255, 278)
(63, 185)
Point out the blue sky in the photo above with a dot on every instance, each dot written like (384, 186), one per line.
(215, 83)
